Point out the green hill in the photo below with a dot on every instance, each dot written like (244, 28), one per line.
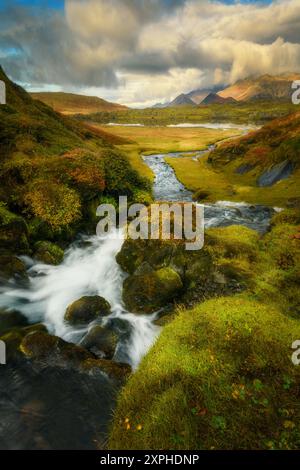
(69, 103)
(53, 172)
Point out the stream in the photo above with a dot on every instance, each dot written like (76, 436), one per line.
(220, 214)
(62, 408)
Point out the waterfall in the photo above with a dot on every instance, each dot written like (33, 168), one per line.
(89, 268)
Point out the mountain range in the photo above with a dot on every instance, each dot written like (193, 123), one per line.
(265, 87)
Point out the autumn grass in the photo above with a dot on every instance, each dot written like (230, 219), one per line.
(220, 375)
(251, 112)
(150, 140)
(224, 184)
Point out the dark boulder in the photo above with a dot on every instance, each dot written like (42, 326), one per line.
(101, 341)
(10, 319)
(278, 172)
(87, 309)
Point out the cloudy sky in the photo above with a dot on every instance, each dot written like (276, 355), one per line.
(138, 52)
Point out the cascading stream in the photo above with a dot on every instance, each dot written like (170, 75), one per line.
(89, 268)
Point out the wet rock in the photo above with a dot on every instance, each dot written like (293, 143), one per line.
(87, 309)
(120, 326)
(130, 256)
(44, 347)
(51, 407)
(115, 370)
(149, 292)
(12, 339)
(11, 266)
(101, 341)
(278, 172)
(48, 253)
(11, 319)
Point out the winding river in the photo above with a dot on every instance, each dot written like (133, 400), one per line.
(65, 407)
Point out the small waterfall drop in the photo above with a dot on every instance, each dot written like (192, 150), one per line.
(89, 268)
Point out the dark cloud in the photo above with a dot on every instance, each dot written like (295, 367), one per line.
(102, 43)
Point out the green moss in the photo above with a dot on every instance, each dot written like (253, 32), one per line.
(287, 216)
(52, 167)
(87, 309)
(219, 377)
(13, 231)
(11, 266)
(145, 293)
(48, 252)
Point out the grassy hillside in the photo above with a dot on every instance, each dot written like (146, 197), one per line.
(69, 103)
(217, 176)
(53, 172)
(221, 376)
(256, 113)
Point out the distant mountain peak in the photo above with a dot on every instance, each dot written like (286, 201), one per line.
(182, 100)
(263, 87)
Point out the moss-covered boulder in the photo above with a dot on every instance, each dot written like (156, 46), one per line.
(101, 341)
(114, 370)
(13, 337)
(13, 231)
(12, 266)
(148, 292)
(10, 319)
(42, 346)
(225, 265)
(48, 252)
(87, 309)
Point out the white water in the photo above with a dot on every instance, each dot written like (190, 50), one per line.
(215, 125)
(89, 269)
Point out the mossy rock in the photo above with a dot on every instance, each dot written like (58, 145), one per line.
(101, 341)
(115, 370)
(87, 309)
(148, 292)
(48, 253)
(39, 345)
(11, 266)
(12, 340)
(10, 319)
(287, 216)
(13, 231)
(131, 255)
(13, 337)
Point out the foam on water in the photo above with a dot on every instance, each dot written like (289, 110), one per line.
(89, 268)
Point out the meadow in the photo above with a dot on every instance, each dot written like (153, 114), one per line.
(211, 182)
(137, 141)
(256, 112)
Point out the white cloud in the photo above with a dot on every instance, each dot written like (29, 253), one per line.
(141, 51)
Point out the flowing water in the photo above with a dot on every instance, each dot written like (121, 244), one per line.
(59, 407)
(223, 213)
(89, 268)
(62, 408)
